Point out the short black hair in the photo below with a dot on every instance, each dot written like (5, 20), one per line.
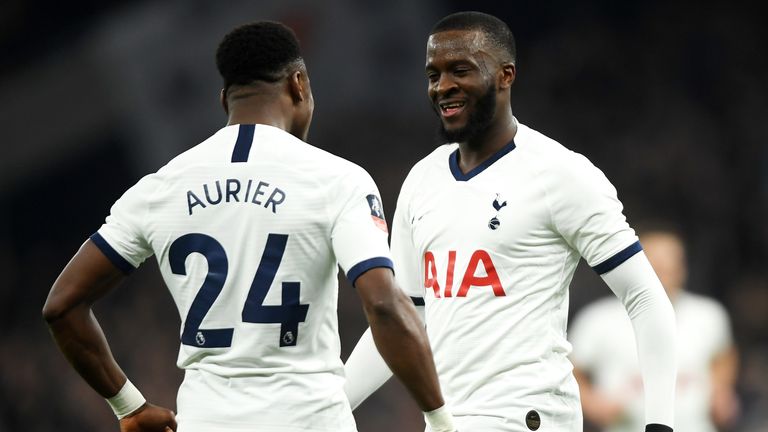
(259, 51)
(496, 30)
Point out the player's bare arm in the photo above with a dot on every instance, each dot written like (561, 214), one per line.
(401, 339)
(68, 311)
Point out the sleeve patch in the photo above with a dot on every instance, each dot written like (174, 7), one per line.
(377, 212)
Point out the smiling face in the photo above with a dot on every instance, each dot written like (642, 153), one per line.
(464, 77)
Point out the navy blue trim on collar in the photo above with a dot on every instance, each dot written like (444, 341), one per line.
(453, 161)
(358, 269)
(114, 257)
(243, 143)
(616, 260)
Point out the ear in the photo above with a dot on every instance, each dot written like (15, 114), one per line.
(507, 75)
(223, 100)
(297, 86)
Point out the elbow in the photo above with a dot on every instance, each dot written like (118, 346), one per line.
(58, 305)
(381, 309)
(396, 310)
(52, 311)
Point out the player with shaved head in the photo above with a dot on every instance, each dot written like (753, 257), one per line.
(486, 237)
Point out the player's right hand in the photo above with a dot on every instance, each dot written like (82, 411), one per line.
(149, 418)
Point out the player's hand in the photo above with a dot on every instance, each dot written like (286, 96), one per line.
(149, 418)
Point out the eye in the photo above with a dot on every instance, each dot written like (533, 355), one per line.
(432, 76)
(461, 71)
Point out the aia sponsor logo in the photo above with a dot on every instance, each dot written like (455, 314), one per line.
(472, 276)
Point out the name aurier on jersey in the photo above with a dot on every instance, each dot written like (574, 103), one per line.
(235, 191)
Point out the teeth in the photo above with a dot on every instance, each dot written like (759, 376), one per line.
(452, 105)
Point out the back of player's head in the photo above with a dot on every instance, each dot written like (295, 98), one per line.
(495, 29)
(259, 51)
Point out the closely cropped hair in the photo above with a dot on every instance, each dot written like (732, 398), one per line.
(496, 30)
(259, 51)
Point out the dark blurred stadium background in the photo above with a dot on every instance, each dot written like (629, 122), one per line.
(669, 99)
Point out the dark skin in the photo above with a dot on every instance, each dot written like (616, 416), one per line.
(400, 336)
(461, 66)
(87, 277)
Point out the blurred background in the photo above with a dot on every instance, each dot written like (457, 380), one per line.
(669, 99)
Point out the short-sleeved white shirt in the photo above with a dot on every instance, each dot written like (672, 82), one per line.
(492, 253)
(604, 347)
(249, 228)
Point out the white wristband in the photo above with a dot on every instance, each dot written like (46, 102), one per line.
(440, 420)
(127, 400)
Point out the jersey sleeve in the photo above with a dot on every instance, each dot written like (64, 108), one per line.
(359, 233)
(121, 238)
(404, 254)
(588, 214)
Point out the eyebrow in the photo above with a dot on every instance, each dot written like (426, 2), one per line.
(452, 63)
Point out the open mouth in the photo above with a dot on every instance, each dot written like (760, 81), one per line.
(450, 109)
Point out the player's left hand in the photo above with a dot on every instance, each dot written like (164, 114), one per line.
(149, 418)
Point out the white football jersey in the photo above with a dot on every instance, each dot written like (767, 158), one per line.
(604, 346)
(492, 253)
(249, 228)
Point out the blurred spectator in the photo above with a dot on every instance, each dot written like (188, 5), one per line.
(605, 360)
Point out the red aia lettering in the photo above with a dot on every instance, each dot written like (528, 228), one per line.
(491, 277)
(430, 280)
(449, 276)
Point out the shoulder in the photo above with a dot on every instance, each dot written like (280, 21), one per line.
(566, 177)
(307, 158)
(203, 153)
(548, 155)
(437, 160)
(143, 189)
(437, 157)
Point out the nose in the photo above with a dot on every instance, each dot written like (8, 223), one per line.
(443, 85)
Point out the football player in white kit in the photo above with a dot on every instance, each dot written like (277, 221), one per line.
(486, 236)
(248, 229)
(605, 359)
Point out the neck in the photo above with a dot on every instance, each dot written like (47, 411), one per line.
(475, 151)
(258, 111)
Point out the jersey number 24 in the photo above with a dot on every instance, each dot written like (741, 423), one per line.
(289, 314)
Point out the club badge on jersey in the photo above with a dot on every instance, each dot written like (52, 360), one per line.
(494, 223)
(377, 212)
